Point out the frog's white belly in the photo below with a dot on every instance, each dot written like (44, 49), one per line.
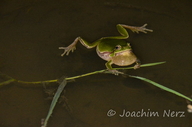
(104, 55)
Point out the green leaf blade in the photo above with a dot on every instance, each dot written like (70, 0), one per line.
(162, 87)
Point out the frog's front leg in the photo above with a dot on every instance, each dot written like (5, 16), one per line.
(113, 71)
(72, 46)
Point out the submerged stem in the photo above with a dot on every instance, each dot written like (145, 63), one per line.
(54, 101)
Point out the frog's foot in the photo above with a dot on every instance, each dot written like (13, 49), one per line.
(115, 72)
(138, 29)
(137, 65)
(69, 48)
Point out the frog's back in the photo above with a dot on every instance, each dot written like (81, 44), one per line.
(108, 45)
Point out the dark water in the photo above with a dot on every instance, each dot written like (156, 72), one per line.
(32, 31)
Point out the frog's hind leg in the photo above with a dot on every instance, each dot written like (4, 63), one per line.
(121, 30)
(124, 34)
(72, 46)
(137, 29)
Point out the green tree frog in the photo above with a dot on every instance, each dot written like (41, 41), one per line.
(115, 50)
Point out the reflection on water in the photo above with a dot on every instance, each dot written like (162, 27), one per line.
(32, 31)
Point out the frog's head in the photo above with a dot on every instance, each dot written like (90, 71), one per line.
(120, 49)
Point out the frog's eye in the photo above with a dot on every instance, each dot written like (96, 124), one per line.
(117, 47)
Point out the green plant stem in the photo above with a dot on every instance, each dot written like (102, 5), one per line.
(7, 82)
(106, 71)
(37, 82)
(87, 74)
